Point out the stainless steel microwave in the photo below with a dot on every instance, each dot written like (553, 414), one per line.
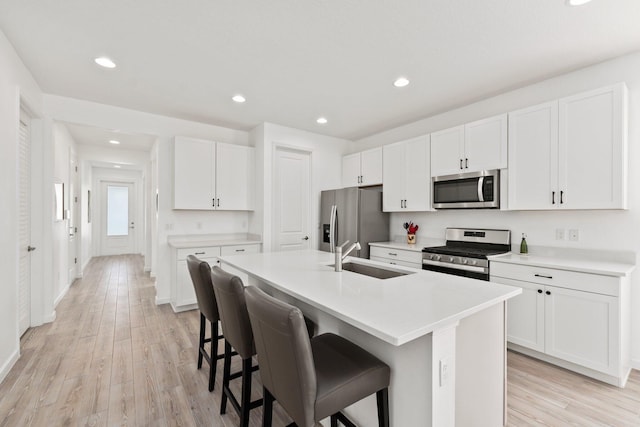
(471, 190)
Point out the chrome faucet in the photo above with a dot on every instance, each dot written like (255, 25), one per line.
(339, 253)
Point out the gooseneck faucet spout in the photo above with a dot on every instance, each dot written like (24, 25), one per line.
(342, 254)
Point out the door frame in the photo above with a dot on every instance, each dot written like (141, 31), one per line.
(274, 209)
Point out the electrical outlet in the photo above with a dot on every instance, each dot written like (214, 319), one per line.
(445, 368)
(198, 226)
(559, 233)
(574, 235)
(168, 227)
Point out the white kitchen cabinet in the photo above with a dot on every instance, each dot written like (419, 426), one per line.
(571, 153)
(213, 176)
(395, 256)
(573, 319)
(362, 169)
(406, 177)
(473, 147)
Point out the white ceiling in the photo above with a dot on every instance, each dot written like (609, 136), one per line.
(295, 60)
(89, 135)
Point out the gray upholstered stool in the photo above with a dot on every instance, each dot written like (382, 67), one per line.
(200, 273)
(229, 292)
(311, 378)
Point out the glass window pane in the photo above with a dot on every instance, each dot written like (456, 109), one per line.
(117, 210)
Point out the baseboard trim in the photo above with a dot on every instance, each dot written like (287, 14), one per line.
(160, 301)
(62, 294)
(50, 318)
(635, 364)
(6, 367)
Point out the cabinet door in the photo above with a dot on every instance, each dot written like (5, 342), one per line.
(393, 176)
(525, 314)
(351, 170)
(193, 178)
(533, 158)
(447, 148)
(485, 144)
(185, 293)
(235, 180)
(371, 167)
(581, 327)
(592, 151)
(417, 174)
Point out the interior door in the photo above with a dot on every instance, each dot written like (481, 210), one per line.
(24, 224)
(72, 222)
(117, 225)
(291, 200)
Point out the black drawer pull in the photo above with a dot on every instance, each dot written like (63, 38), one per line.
(543, 276)
(199, 253)
(392, 254)
(239, 250)
(539, 291)
(548, 292)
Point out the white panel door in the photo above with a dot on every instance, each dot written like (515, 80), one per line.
(417, 174)
(592, 153)
(581, 327)
(291, 200)
(24, 225)
(371, 167)
(394, 177)
(194, 174)
(117, 218)
(485, 144)
(525, 314)
(74, 215)
(351, 170)
(533, 157)
(447, 151)
(235, 182)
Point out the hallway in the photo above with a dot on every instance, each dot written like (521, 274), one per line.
(113, 357)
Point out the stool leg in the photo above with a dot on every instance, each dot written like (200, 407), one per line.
(246, 392)
(334, 421)
(213, 355)
(267, 410)
(226, 373)
(382, 397)
(203, 325)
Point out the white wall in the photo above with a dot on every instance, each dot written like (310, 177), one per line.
(611, 230)
(326, 172)
(16, 83)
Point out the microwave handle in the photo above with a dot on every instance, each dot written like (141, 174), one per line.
(480, 189)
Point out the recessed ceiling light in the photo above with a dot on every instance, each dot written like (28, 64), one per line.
(113, 141)
(239, 99)
(401, 82)
(322, 121)
(116, 166)
(105, 62)
(577, 2)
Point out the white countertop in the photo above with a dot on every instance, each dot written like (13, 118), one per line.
(198, 240)
(403, 245)
(396, 310)
(567, 262)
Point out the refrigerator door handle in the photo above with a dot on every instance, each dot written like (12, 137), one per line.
(332, 228)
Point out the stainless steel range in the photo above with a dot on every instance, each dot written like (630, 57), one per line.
(466, 251)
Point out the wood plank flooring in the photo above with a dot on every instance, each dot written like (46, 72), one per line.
(113, 357)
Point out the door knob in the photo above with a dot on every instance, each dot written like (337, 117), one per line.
(31, 248)
(305, 238)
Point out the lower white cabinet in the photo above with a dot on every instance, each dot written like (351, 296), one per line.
(577, 320)
(183, 296)
(391, 255)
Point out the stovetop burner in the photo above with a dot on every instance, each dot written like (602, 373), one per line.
(465, 251)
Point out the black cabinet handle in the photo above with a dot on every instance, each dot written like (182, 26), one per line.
(561, 194)
(392, 254)
(539, 291)
(213, 202)
(466, 163)
(461, 164)
(239, 250)
(199, 253)
(553, 197)
(543, 276)
(548, 292)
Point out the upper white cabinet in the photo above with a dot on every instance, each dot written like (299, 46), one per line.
(571, 153)
(406, 178)
(476, 146)
(361, 169)
(212, 176)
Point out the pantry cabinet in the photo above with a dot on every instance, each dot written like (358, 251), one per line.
(406, 177)
(570, 153)
(362, 169)
(473, 147)
(212, 175)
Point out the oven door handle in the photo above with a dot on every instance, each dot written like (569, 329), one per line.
(480, 189)
(477, 269)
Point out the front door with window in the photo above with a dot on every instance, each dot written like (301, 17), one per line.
(117, 224)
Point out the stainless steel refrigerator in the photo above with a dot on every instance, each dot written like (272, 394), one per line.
(353, 214)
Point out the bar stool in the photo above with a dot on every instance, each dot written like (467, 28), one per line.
(229, 292)
(200, 273)
(311, 378)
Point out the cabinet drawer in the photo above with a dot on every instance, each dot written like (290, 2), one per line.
(561, 278)
(397, 262)
(396, 254)
(200, 252)
(239, 249)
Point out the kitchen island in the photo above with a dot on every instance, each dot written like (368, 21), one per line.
(442, 335)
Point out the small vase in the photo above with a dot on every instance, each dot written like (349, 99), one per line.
(411, 239)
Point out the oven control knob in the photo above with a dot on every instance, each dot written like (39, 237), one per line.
(464, 260)
(474, 262)
(450, 259)
(435, 257)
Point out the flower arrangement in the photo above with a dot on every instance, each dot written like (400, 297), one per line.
(411, 232)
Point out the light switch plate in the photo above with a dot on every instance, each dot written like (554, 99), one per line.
(559, 233)
(574, 235)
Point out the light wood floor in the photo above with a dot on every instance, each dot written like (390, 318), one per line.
(113, 357)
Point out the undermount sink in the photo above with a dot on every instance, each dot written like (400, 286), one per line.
(372, 271)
